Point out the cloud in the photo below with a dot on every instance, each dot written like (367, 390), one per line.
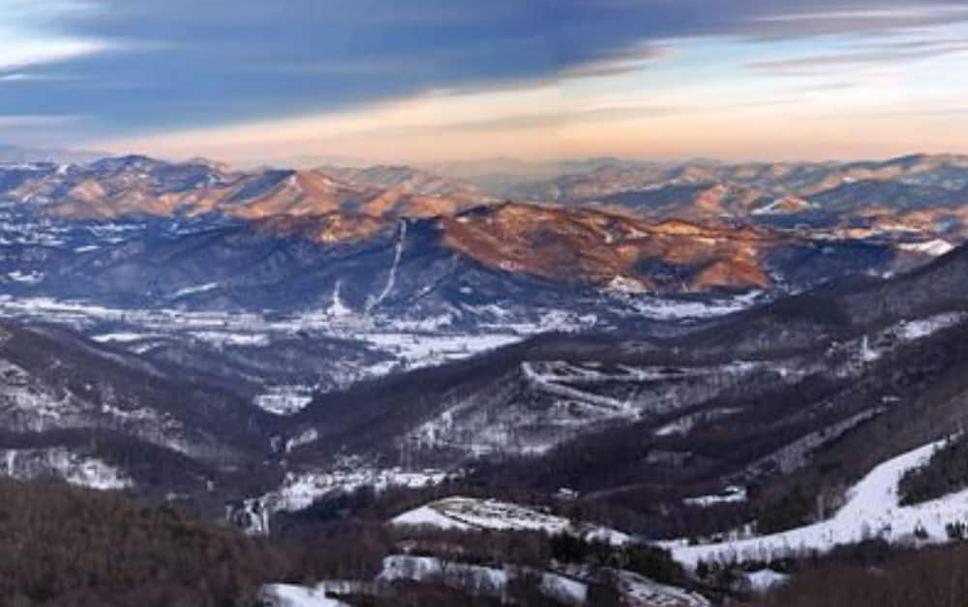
(165, 71)
(621, 62)
(819, 63)
(876, 16)
(19, 53)
(904, 15)
(231, 61)
(30, 35)
(37, 120)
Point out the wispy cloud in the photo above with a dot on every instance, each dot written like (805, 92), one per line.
(38, 120)
(621, 62)
(891, 14)
(819, 63)
(18, 52)
(31, 34)
(825, 17)
(461, 77)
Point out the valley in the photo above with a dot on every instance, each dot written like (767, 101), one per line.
(450, 303)
(725, 375)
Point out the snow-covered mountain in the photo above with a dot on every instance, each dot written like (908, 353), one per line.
(713, 362)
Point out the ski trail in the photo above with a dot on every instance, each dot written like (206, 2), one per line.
(392, 278)
(337, 307)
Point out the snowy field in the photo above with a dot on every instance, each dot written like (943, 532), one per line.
(413, 344)
(60, 462)
(872, 510)
(469, 514)
(567, 585)
(396, 344)
(298, 491)
(290, 595)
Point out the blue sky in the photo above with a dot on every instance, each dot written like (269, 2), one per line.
(425, 80)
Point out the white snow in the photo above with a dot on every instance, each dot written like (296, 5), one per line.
(565, 589)
(916, 329)
(284, 400)
(304, 438)
(481, 580)
(337, 308)
(624, 284)
(411, 343)
(466, 513)
(195, 289)
(224, 338)
(73, 468)
(683, 309)
(639, 591)
(765, 580)
(872, 510)
(731, 495)
(429, 517)
(423, 349)
(123, 337)
(29, 278)
(549, 383)
(768, 209)
(567, 584)
(290, 595)
(392, 276)
(935, 247)
(299, 491)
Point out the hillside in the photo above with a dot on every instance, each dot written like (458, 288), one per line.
(69, 547)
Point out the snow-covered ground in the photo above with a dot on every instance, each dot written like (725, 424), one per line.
(935, 247)
(481, 580)
(639, 591)
(384, 342)
(291, 595)
(871, 348)
(395, 344)
(464, 513)
(872, 510)
(659, 308)
(298, 491)
(765, 580)
(568, 585)
(284, 400)
(60, 462)
(911, 330)
(730, 495)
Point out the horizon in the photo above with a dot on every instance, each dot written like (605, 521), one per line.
(453, 303)
(537, 80)
(311, 163)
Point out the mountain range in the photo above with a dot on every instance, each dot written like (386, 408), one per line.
(692, 229)
(697, 354)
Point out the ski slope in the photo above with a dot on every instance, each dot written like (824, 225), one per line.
(872, 510)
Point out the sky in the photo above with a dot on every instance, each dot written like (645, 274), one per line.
(423, 81)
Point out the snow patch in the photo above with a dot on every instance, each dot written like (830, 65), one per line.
(27, 464)
(196, 289)
(624, 284)
(935, 247)
(872, 511)
(764, 580)
(463, 513)
(299, 491)
(284, 400)
(290, 595)
(730, 495)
